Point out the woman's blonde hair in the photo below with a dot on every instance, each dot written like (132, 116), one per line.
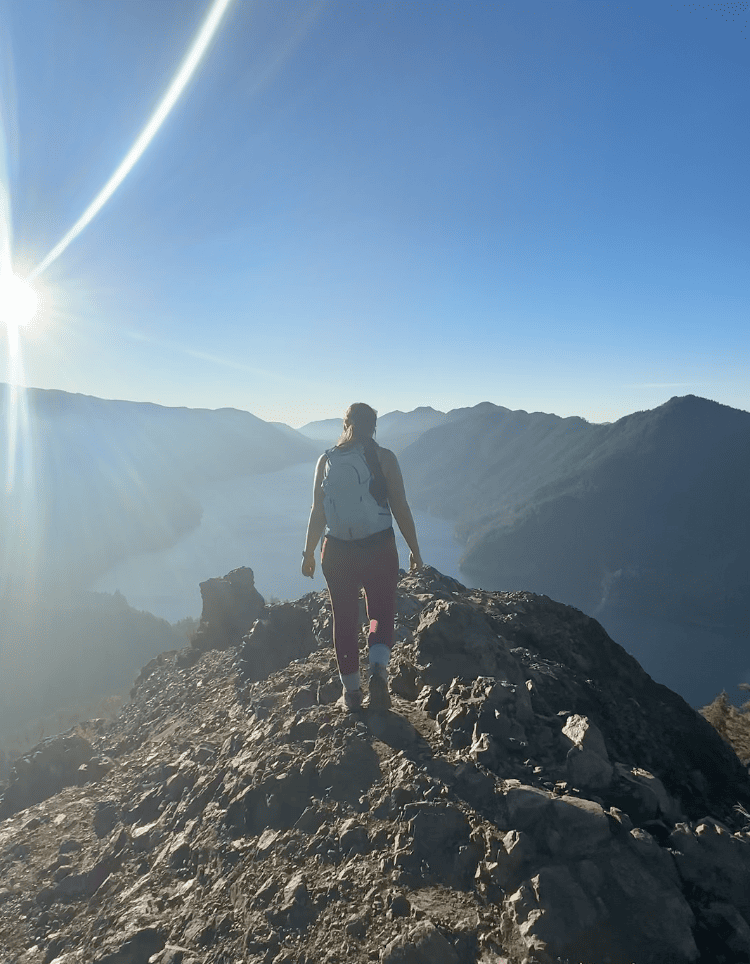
(359, 424)
(359, 427)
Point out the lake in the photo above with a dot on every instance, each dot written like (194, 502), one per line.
(260, 521)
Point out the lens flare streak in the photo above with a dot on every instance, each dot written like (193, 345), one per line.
(27, 544)
(148, 133)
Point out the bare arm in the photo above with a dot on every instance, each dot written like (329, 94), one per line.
(317, 522)
(399, 506)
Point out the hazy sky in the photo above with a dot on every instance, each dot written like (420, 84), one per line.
(540, 204)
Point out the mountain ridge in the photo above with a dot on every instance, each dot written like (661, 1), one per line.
(644, 500)
(532, 797)
(641, 519)
(99, 480)
(495, 474)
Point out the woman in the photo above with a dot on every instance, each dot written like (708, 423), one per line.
(357, 486)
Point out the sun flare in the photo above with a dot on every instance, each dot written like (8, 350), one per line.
(18, 302)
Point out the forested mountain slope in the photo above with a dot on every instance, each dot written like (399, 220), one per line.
(91, 481)
(650, 511)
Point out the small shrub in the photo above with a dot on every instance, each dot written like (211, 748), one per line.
(732, 724)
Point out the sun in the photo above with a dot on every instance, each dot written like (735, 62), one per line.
(18, 302)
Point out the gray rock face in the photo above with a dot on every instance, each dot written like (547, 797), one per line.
(231, 605)
(521, 811)
(43, 771)
(551, 662)
(457, 640)
(284, 633)
(587, 763)
(137, 949)
(423, 945)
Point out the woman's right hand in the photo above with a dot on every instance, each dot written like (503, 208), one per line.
(308, 565)
(415, 561)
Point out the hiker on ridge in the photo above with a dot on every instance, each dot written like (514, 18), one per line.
(357, 486)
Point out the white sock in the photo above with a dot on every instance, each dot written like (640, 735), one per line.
(379, 654)
(350, 681)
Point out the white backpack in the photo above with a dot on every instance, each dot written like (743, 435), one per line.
(352, 512)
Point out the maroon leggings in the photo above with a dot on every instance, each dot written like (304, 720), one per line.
(347, 567)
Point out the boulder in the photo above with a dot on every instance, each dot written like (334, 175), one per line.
(582, 732)
(611, 908)
(231, 604)
(586, 769)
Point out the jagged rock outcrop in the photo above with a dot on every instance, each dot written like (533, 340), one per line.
(231, 604)
(544, 803)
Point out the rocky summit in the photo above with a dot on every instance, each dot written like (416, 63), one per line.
(532, 796)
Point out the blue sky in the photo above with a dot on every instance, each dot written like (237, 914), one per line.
(540, 204)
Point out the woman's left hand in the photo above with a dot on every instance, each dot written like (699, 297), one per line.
(308, 565)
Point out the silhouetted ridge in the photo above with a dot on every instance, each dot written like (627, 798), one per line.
(644, 517)
(99, 481)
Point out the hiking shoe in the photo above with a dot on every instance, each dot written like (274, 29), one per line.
(351, 700)
(380, 698)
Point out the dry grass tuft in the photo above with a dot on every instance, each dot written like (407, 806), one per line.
(731, 723)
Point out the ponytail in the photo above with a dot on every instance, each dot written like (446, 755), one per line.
(378, 486)
(359, 427)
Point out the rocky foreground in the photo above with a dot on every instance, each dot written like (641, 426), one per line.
(532, 796)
